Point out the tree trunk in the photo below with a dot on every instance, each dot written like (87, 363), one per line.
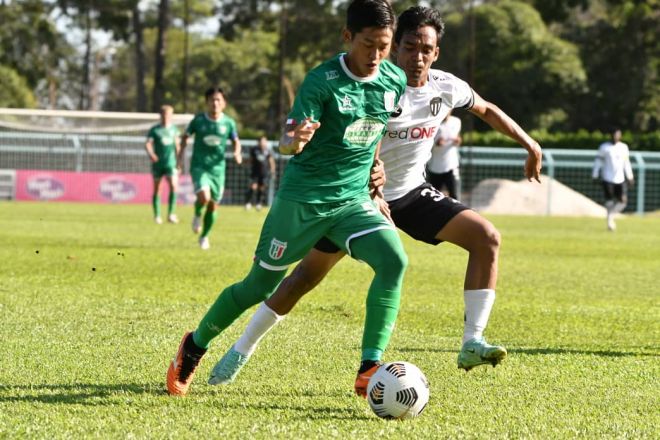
(141, 92)
(159, 65)
(84, 87)
(184, 79)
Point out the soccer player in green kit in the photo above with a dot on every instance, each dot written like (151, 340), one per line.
(338, 117)
(162, 146)
(207, 165)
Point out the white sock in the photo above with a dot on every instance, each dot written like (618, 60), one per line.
(478, 304)
(618, 207)
(263, 320)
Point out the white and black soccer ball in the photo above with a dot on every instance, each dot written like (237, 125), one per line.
(398, 390)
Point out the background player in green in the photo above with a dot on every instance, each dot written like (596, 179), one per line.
(207, 165)
(338, 117)
(162, 146)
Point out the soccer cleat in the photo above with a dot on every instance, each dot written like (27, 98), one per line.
(158, 220)
(182, 368)
(197, 224)
(248, 206)
(477, 352)
(227, 368)
(204, 243)
(258, 207)
(611, 225)
(172, 218)
(362, 379)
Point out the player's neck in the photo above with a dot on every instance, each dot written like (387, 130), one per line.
(420, 82)
(213, 116)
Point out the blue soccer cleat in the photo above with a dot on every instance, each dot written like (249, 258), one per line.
(227, 368)
(477, 352)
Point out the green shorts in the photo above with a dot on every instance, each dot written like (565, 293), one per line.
(292, 228)
(215, 182)
(160, 170)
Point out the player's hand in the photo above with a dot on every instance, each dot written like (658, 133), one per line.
(296, 139)
(383, 207)
(153, 158)
(377, 177)
(534, 162)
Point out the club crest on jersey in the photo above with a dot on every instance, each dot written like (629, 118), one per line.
(331, 74)
(435, 105)
(346, 104)
(389, 99)
(277, 249)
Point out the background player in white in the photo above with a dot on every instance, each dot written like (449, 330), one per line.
(612, 166)
(416, 207)
(442, 169)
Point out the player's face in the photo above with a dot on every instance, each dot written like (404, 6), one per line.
(368, 48)
(215, 103)
(616, 136)
(165, 117)
(415, 53)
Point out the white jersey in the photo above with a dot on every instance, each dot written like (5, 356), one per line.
(411, 129)
(444, 154)
(613, 163)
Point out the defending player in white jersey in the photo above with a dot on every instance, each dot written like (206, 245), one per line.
(612, 165)
(416, 207)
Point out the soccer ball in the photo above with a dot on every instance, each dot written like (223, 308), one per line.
(398, 390)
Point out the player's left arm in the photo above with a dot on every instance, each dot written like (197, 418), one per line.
(627, 169)
(238, 151)
(500, 121)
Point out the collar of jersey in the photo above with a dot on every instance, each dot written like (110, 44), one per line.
(208, 118)
(354, 77)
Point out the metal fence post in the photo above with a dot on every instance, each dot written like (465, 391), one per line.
(641, 182)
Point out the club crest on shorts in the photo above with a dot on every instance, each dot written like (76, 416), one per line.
(277, 249)
(435, 105)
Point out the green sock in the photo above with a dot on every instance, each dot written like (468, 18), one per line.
(209, 220)
(198, 208)
(155, 203)
(171, 203)
(383, 251)
(234, 300)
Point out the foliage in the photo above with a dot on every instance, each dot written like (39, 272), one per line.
(86, 351)
(518, 63)
(15, 91)
(581, 139)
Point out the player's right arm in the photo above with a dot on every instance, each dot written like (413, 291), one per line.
(190, 130)
(149, 146)
(303, 119)
(295, 137)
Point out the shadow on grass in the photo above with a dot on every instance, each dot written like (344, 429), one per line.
(76, 393)
(102, 395)
(544, 351)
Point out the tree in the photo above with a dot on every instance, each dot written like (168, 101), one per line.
(15, 91)
(518, 62)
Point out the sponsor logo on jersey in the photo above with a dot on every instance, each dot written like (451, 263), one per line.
(346, 104)
(212, 140)
(389, 100)
(435, 105)
(167, 140)
(116, 189)
(331, 74)
(413, 133)
(363, 132)
(45, 187)
(277, 249)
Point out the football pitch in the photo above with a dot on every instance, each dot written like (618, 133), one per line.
(95, 298)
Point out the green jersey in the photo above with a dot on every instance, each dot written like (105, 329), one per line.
(210, 141)
(353, 112)
(164, 144)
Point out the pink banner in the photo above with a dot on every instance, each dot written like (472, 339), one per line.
(65, 186)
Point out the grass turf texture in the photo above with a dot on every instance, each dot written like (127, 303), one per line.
(95, 298)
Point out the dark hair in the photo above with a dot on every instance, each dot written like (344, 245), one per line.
(369, 13)
(412, 18)
(212, 91)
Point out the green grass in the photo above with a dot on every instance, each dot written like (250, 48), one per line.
(94, 300)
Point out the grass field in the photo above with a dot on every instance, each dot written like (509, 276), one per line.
(95, 298)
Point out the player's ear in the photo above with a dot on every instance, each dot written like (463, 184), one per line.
(346, 35)
(437, 54)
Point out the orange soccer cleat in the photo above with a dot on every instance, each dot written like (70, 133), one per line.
(363, 376)
(183, 366)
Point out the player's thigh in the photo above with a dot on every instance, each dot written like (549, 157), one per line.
(424, 212)
(470, 230)
(357, 219)
(289, 232)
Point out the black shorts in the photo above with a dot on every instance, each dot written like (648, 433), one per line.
(421, 213)
(615, 191)
(447, 180)
(259, 178)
